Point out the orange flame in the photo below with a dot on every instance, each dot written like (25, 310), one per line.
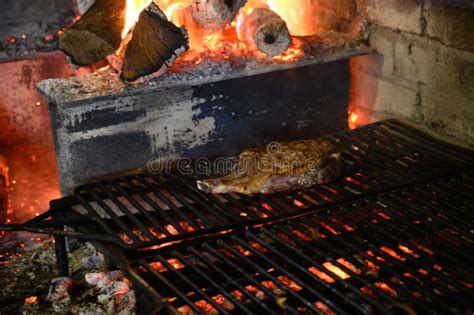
(353, 119)
(225, 43)
(31, 300)
(134, 8)
(298, 15)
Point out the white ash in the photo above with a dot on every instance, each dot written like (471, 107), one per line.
(147, 78)
(31, 285)
(113, 292)
(59, 293)
(84, 5)
(86, 258)
(212, 67)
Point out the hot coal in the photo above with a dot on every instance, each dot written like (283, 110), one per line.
(31, 284)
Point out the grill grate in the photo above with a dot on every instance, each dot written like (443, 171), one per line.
(148, 210)
(394, 233)
(398, 251)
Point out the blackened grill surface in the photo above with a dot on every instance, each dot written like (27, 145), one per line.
(403, 252)
(150, 210)
(393, 234)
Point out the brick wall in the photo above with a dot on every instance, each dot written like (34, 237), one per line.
(424, 66)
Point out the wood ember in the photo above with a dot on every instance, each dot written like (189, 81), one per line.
(113, 291)
(28, 272)
(3, 190)
(155, 44)
(264, 30)
(59, 292)
(97, 34)
(30, 283)
(214, 15)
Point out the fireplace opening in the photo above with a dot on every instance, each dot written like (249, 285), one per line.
(114, 113)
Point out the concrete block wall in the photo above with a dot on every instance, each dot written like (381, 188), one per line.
(424, 66)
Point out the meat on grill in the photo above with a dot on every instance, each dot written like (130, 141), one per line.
(278, 167)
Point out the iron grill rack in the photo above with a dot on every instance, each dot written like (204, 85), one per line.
(392, 234)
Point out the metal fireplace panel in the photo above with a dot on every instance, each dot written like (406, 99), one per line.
(112, 135)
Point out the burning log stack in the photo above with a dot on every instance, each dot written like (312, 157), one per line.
(154, 42)
(151, 45)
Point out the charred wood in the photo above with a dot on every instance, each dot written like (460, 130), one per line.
(214, 15)
(97, 34)
(265, 31)
(155, 44)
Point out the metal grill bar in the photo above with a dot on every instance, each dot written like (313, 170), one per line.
(392, 234)
(370, 256)
(151, 210)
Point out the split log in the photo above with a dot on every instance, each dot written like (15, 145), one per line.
(214, 15)
(155, 44)
(264, 30)
(3, 190)
(97, 34)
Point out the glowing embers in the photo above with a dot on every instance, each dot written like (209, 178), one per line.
(353, 119)
(324, 308)
(380, 286)
(32, 300)
(356, 182)
(226, 39)
(144, 235)
(131, 36)
(247, 252)
(392, 253)
(11, 40)
(226, 303)
(162, 267)
(259, 266)
(341, 269)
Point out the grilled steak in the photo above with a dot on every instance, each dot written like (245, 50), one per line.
(278, 167)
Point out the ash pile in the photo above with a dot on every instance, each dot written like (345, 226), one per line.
(31, 283)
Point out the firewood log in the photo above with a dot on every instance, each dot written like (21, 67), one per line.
(97, 34)
(155, 44)
(3, 190)
(264, 30)
(214, 15)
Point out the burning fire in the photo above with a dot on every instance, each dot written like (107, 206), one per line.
(134, 8)
(225, 43)
(298, 15)
(353, 118)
